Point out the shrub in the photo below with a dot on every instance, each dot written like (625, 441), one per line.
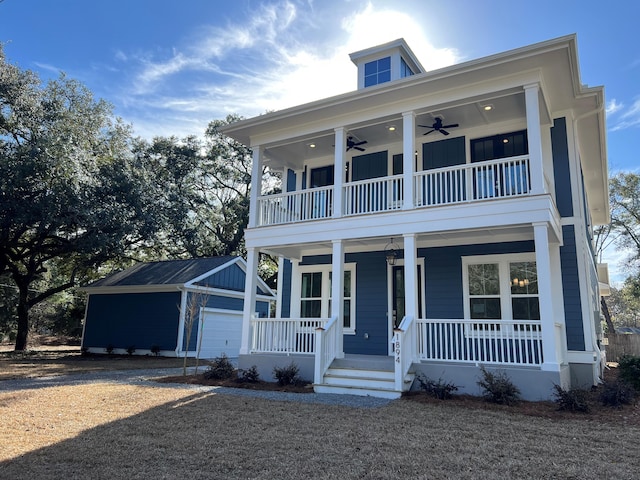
(131, 349)
(438, 389)
(249, 375)
(221, 368)
(287, 375)
(155, 349)
(616, 394)
(498, 388)
(630, 370)
(109, 348)
(573, 400)
(84, 351)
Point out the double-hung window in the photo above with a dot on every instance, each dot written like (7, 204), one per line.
(501, 287)
(314, 294)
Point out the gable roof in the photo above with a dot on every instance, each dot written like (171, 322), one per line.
(169, 272)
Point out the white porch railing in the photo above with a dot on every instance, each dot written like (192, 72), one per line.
(506, 342)
(373, 195)
(311, 204)
(503, 178)
(284, 335)
(326, 348)
(475, 181)
(404, 350)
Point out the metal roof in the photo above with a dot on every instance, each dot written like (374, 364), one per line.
(169, 272)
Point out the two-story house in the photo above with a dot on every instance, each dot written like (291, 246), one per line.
(433, 222)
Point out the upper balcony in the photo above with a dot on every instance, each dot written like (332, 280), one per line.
(497, 179)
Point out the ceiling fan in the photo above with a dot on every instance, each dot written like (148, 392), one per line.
(438, 127)
(351, 143)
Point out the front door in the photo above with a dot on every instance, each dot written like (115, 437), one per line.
(398, 308)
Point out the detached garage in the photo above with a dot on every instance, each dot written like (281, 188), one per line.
(172, 306)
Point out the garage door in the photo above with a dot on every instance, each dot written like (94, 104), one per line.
(221, 333)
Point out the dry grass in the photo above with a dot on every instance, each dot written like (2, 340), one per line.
(65, 360)
(123, 431)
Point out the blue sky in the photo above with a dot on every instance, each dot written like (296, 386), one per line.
(170, 67)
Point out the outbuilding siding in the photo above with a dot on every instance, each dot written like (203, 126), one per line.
(132, 319)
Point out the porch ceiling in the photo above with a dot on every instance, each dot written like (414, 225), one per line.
(427, 240)
(388, 130)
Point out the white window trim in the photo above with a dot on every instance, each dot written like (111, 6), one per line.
(326, 292)
(503, 261)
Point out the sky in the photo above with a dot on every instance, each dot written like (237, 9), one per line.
(171, 67)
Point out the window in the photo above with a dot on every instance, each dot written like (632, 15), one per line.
(501, 287)
(500, 180)
(378, 71)
(405, 70)
(315, 294)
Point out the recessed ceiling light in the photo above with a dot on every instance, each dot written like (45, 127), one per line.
(312, 145)
(391, 128)
(486, 108)
(505, 140)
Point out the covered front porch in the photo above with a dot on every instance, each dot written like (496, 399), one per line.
(418, 328)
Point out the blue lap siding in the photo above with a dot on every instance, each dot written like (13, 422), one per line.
(571, 289)
(132, 319)
(442, 281)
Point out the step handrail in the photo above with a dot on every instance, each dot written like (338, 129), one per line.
(404, 350)
(326, 348)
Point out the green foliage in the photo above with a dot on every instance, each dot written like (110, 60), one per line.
(630, 370)
(155, 349)
(287, 375)
(437, 388)
(131, 349)
(573, 400)
(109, 348)
(498, 388)
(617, 394)
(221, 368)
(250, 375)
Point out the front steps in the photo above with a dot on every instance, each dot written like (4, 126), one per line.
(363, 375)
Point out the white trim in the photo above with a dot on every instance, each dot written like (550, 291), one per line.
(503, 261)
(203, 312)
(325, 268)
(181, 312)
(420, 261)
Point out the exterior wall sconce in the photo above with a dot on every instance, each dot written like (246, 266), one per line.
(391, 252)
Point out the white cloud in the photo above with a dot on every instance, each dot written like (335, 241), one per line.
(613, 106)
(267, 62)
(630, 117)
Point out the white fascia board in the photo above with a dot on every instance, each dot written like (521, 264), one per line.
(263, 286)
(474, 216)
(212, 271)
(223, 293)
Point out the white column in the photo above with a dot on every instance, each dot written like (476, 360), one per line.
(410, 275)
(279, 286)
(534, 136)
(550, 349)
(250, 286)
(408, 163)
(337, 292)
(558, 300)
(256, 186)
(338, 174)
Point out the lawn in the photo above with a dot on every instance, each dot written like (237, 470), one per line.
(126, 431)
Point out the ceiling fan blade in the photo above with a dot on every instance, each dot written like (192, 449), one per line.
(429, 132)
(359, 148)
(360, 143)
(453, 125)
(444, 132)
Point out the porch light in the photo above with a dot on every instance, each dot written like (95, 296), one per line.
(391, 128)
(487, 108)
(312, 145)
(391, 252)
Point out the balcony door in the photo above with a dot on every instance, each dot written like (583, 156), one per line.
(320, 202)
